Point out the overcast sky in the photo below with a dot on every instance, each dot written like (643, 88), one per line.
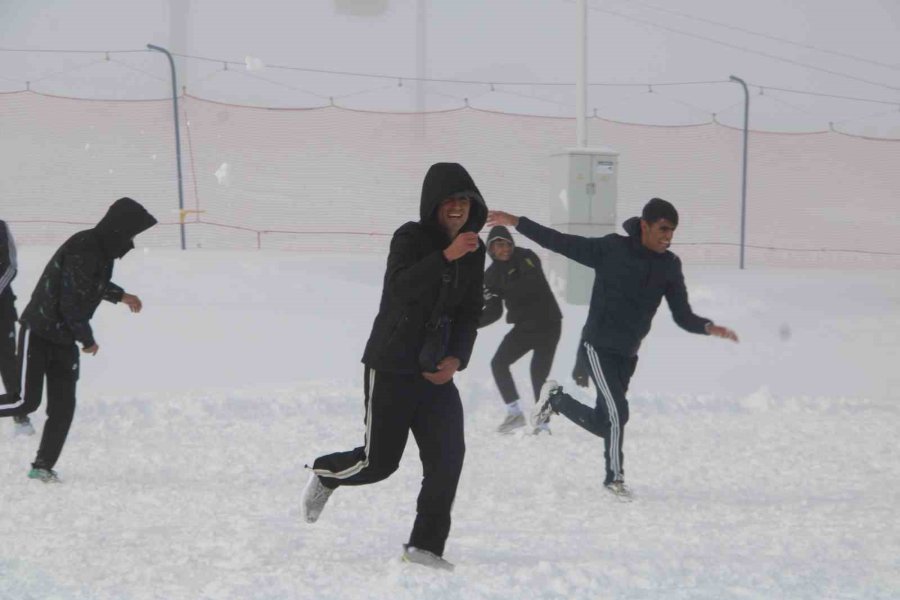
(500, 40)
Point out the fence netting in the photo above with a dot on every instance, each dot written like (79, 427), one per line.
(338, 180)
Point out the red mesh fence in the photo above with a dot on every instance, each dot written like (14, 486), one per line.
(338, 180)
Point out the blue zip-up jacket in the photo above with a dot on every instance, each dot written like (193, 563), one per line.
(629, 284)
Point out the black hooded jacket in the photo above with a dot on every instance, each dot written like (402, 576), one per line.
(8, 269)
(78, 276)
(520, 283)
(629, 284)
(415, 270)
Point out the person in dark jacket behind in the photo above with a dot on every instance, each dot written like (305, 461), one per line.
(515, 278)
(9, 374)
(633, 274)
(423, 334)
(68, 292)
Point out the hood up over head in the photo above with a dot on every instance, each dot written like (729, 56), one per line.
(124, 220)
(448, 179)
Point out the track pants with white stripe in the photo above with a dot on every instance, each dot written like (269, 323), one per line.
(395, 405)
(611, 374)
(40, 358)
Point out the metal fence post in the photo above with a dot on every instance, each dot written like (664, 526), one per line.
(177, 139)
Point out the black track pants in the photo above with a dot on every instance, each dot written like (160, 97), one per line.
(521, 339)
(41, 359)
(395, 405)
(611, 374)
(9, 372)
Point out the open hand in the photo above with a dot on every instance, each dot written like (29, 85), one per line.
(498, 217)
(133, 302)
(722, 332)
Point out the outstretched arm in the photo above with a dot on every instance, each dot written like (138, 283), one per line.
(677, 298)
(586, 251)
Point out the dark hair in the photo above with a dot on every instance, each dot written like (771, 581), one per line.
(658, 209)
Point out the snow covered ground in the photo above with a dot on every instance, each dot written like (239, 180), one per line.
(765, 469)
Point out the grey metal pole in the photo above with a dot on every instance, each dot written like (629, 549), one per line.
(581, 44)
(177, 138)
(744, 178)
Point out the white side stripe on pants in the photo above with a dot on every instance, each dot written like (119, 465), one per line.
(615, 430)
(24, 351)
(353, 470)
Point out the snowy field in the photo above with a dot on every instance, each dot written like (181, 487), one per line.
(765, 469)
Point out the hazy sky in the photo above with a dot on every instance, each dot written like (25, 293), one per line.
(499, 40)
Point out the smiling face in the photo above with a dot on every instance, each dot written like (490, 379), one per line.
(452, 214)
(501, 250)
(657, 236)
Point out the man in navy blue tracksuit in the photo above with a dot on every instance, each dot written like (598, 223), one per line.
(423, 334)
(633, 274)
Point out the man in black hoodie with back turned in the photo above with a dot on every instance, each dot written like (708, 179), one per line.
(515, 278)
(68, 292)
(423, 334)
(632, 275)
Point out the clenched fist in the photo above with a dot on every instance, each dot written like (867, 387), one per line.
(461, 245)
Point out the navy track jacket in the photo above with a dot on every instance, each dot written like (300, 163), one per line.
(629, 284)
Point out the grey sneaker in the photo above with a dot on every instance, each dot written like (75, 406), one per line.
(44, 475)
(417, 556)
(542, 428)
(542, 410)
(315, 495)
(22, 425)
(620, 490)
(512, 422)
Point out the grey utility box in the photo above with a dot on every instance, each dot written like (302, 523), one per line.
(583, 194)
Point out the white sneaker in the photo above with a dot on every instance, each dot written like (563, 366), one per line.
(620, 490)
(417, 556)
(542, 428)
(22, 426)
(315, 495)
(542, 410)
(512, 422)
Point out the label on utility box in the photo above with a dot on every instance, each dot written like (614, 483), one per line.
(604, 167)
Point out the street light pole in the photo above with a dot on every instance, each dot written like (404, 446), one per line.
(744, 178)
(177, 138)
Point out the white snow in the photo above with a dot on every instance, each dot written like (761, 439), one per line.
(765, 469)
(222, 174)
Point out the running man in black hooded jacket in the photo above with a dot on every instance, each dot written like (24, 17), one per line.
(68, 292)
(423, 334)
(632, 275)
(515, 278)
